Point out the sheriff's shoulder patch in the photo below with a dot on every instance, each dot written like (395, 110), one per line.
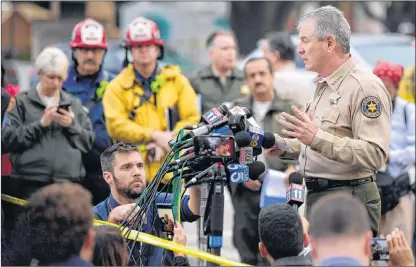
(371, 107)
(12, 104)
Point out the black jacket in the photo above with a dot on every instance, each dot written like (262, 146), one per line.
(180, 261)
(5, 99)
(293, 261)
(49, 154)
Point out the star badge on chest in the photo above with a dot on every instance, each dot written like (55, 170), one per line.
(333, 98)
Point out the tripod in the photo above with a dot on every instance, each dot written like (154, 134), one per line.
(210, 227)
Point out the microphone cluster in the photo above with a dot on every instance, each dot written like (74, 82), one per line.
(230, 137)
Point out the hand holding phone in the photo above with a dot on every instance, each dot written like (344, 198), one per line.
(400, 251)
(64, 105)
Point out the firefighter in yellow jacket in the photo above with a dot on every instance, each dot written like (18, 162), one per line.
(136, 100)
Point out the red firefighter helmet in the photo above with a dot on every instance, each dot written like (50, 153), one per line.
(88, 34)
(142, 31)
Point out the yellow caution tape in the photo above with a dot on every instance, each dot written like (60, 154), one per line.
(13, 200)
(152, 240)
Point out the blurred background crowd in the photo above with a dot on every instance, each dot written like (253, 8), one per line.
(30, 26)
(381, 31)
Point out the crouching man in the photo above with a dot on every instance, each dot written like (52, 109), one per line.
(124, 171)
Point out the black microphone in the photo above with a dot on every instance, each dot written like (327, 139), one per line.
(269, 140)
(256, 169)
(295, 192)
(195, 180)
(206, 129)
(257, 151)
(242, 139)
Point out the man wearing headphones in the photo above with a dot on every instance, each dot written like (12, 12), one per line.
(136, 101)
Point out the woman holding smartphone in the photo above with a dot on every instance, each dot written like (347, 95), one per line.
(46, 131)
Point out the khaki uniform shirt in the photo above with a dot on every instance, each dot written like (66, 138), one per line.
(352, 108)
(213, 92)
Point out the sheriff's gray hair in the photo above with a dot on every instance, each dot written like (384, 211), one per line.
(52, 60)
(330, 21)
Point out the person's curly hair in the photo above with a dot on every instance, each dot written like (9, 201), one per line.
(55, 223)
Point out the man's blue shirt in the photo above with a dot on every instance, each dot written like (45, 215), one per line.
(340, 261)
(85, 89)
(152, 256)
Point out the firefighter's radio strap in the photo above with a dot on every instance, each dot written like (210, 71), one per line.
(148, 89)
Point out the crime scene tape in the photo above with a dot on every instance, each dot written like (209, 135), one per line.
(152, 240)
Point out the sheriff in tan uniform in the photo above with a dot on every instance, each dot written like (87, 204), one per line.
(352, 109)
(342, 137)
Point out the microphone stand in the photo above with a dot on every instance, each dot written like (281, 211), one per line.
(212, 190)
(202, 238)
(217, 213)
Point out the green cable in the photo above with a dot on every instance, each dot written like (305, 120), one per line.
(177, 182)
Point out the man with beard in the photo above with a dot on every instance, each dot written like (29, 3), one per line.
(87, 81)
(123, 170)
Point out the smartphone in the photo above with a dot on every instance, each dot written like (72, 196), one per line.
(165, 213)
(379, 249)
(64, 105)
(215, 146)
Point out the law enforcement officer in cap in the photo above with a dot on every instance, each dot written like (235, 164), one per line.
(342, 136)
(220, 81)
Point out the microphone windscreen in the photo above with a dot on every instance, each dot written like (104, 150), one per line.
(256, 169)
(295, 178)
(269, 140)
(257, 151)
(242, 139)
(223, 109)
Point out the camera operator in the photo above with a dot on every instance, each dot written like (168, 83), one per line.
(282, 236)
(340, 232)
